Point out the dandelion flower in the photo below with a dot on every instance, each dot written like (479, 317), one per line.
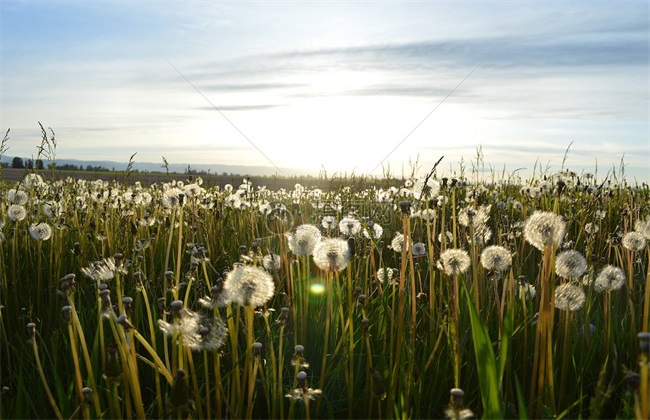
(304, 239)
(350, 226)
(332, 254)
(609, 278)
(16, 212)
(634, 241)
(569, 297)
(249, 286)
(570, 264)
(454, 261)
(496, 258)
(544, 228)
(40, 231)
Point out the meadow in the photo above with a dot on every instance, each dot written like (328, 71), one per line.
(439, 297)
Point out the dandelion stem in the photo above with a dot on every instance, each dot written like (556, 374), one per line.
(41, 373)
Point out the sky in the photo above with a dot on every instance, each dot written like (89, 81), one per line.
(342, 87)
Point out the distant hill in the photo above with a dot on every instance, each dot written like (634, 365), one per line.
(180, 168)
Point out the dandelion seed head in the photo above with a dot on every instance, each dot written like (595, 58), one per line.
(40, 231)
(496, 258)
(19, 197)
(526, 291)
(386, 275)
(570, 264)
(172, 198)
(329, 222)
(374, 231)
(569, 297)
(16, 212)
(634, 241)
(249, 286)
(426, 188)
(419, 249)
(609, 278)
(643, 227)
(397, 244)
(544, 228)
(350, 226)
(332, 254)
(304, 239)
(271, 262)
(454, 261)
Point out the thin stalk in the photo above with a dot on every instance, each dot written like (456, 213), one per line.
(50, 397)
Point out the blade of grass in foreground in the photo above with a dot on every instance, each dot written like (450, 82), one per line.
(486, 363)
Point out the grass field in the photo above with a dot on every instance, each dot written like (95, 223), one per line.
(417, 298)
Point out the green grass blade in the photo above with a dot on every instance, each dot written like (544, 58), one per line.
(486, 363)
(508, 326)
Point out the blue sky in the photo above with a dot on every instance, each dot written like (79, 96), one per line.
(333, 85)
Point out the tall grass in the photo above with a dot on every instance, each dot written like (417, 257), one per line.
(123, 311)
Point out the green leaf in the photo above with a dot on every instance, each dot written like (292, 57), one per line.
(486, 363)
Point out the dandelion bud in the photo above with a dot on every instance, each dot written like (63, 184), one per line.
(124, 322)
(444, 181)
(378, 389)
(301, 377)
(5, 390)
(243, 250)
(405, 206)
(86, 392)
(66, 283)
(102, 286)
(257, 349)
(126, 302)
(67, 315)
(31, 331)
(284, 316)
(105, 296)
(162, 305)
(456, 398)
(76, 249)
(169, 274)
(361, 300)
(118, 257)
(365, 322)
(176, 307)
(644, 342)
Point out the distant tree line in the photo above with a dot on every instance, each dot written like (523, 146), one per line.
(20, 163)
